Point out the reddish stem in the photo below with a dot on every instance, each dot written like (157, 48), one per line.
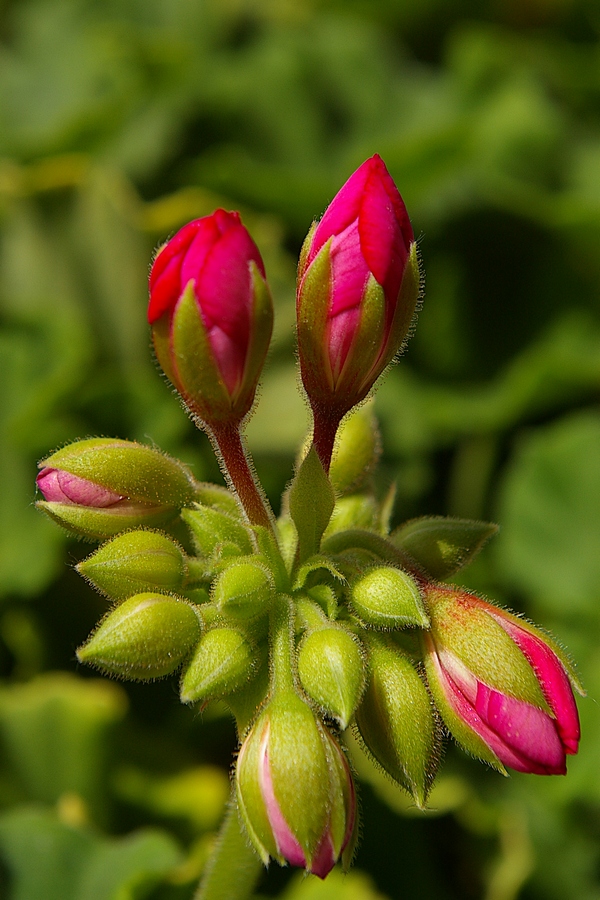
(325, 426)
(233, 457)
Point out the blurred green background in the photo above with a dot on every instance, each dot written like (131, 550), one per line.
(119, 121)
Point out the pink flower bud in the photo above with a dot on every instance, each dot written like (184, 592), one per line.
(358, 286)
(295, 791)
(211, 314)
(503, 689)
(61, 487)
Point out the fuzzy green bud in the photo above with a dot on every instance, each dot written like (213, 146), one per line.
(136, 562)
(223, 662)
(396, 721)
(244, 589)
(353, 511)
(213, 529)
(442, 546)
(332, 671)
(146, 637)
(387, 597)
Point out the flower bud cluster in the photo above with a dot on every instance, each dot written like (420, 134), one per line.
(323, 619)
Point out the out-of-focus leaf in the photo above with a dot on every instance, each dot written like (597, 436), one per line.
(54, 732)
(49, 860)
(549, 509)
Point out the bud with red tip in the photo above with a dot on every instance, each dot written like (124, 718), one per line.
(358, 287)
(294, 787)
(211, 315)
(504, 690)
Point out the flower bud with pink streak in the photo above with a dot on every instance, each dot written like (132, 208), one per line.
(211, 316)
(358, 288)
(295, 792)
(504, 690)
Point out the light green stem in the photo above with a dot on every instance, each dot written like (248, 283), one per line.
(280, 627)
(234, 868)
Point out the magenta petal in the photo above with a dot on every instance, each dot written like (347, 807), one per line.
(527, 730)
(58, 486)
(286, 843)
(231, 366)
(343, 209)
(553, 680)
(324, 859)
(166, 290)
(381, 238)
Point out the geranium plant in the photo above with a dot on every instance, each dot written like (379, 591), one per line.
(321, 619)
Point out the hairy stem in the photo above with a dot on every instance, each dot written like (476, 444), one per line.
(234, 868)
(233, 457)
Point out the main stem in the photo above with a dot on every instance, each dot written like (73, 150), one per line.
(280, 639)
(232, 454)
(234, 868)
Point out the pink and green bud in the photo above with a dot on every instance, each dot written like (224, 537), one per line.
(505, 691)
(294, 787)
(211, 315)
(358, 288)
(102, 486)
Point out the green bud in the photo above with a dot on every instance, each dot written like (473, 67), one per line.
(442, 546)
(146, 637)
(356, 450)
(244, 589)
(135, 562)
(212, 528)
(332, 671)
(354, 511)
(224, 661)
(388, 597)
(396, 721)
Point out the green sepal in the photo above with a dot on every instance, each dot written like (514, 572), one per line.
(332, 671)
(313, 564)
(244, 589)
(441, 546)
(146, 637)
(102, 523)
(135, 562)
(199, 378)
(261, 331)
(361, 367)
(267, 546)
(408, 302)
(356, 450)
(311, 503)
(387, 597)
(396, 721)
(223, 662)
(133, 470)
(211, 527)
(311, 315)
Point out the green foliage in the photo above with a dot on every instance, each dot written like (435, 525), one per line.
(120, 121)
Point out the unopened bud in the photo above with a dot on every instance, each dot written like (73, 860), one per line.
(135, 562)
(244, 589)
(332, 671)
(213, 529)
(396, 721)
(387, 597)
(224, 661)
(99, 487)
(146, 637)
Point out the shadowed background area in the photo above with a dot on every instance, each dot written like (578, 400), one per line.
(119, 121)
